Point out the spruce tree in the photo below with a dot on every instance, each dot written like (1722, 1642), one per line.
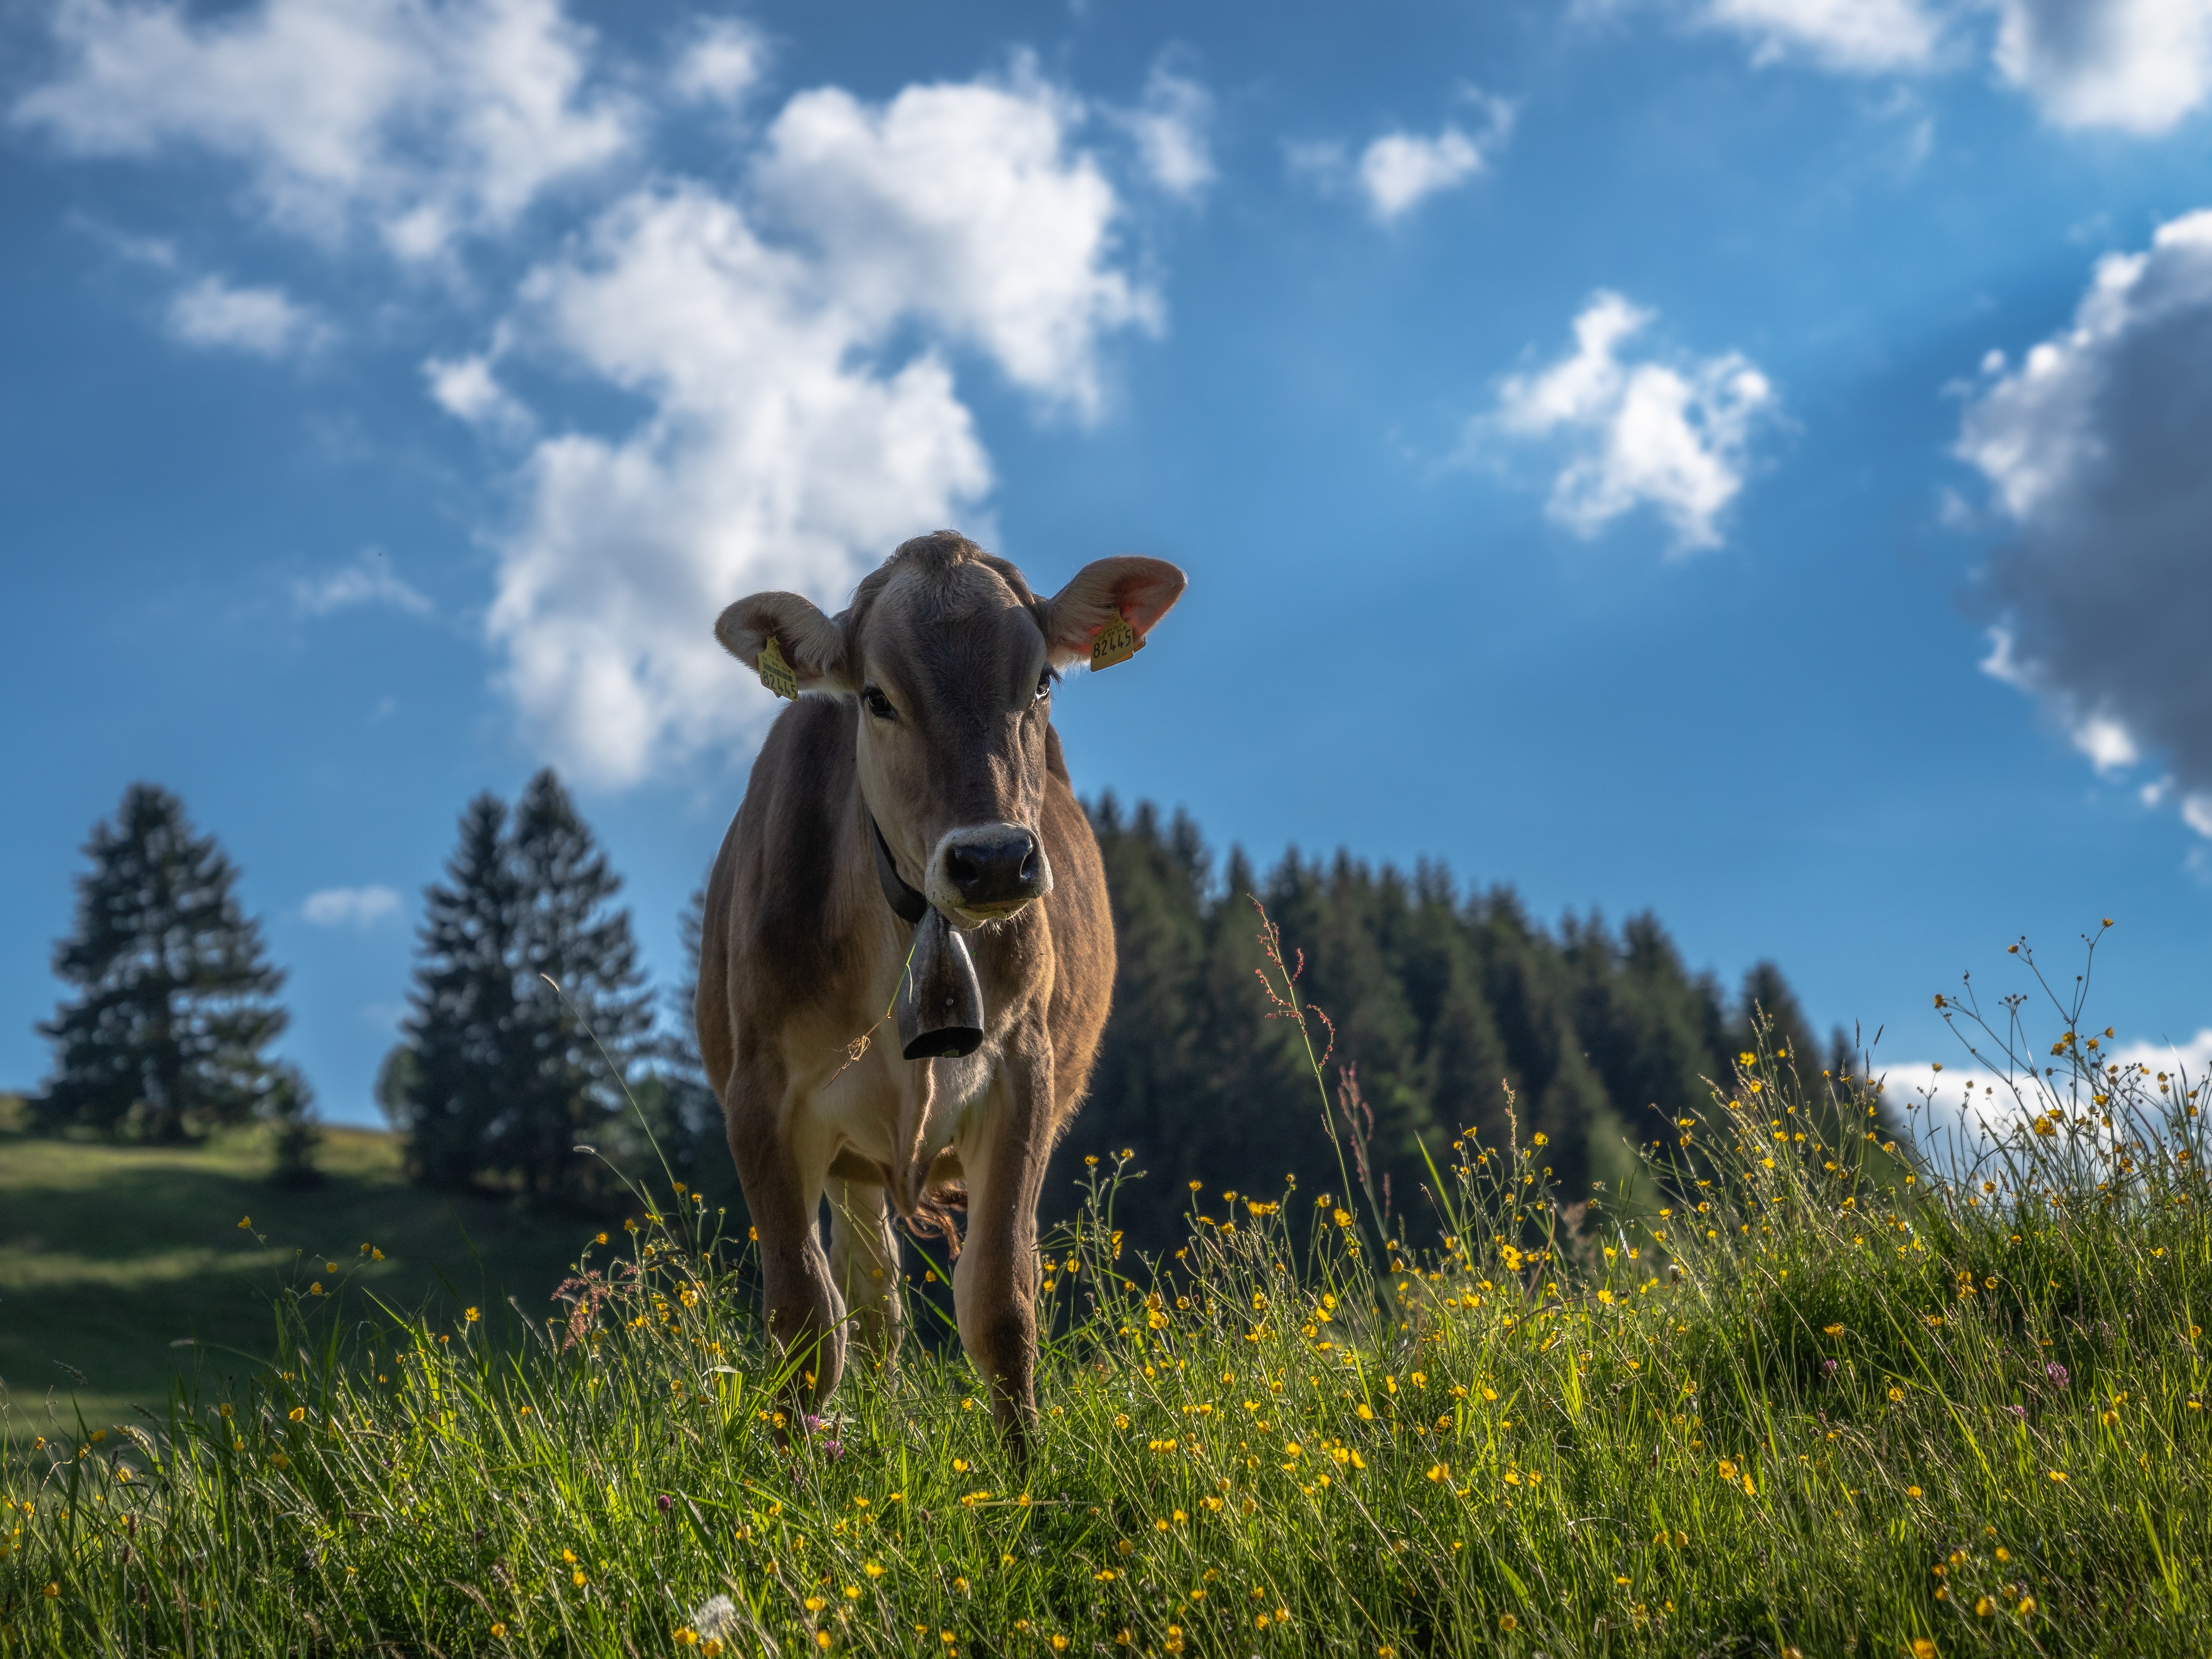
(526, 1015)
(296, 1131)
(445, 1085)
(166, 1041)
(681, 1127)
(582, 1014)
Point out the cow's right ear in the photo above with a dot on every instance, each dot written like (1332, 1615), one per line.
(812, 644)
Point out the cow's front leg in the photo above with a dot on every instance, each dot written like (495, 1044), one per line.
(1003, 1149)
(864, 1260)
(805, 1316)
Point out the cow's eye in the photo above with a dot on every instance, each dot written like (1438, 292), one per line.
(1044, 685)
(878, 704)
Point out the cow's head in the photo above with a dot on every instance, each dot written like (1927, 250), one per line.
(949, 662)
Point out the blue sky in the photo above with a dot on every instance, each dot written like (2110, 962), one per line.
(1739, 457)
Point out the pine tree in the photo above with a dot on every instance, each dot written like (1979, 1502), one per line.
(446, 1083)
(582, 1015)
(166, 1041)
(296, 1131)
(682, 1125)
(1768, 1002)
(526, 1012)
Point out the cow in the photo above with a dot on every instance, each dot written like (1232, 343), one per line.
(916, 771)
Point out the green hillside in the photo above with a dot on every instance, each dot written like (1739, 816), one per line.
(1802, 1406)
(109, 1256)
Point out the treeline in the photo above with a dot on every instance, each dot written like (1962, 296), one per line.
(1448, 1008)
(530, 1032)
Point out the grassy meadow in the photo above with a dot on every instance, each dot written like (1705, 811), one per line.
(110, 1256)
(1788, 1396)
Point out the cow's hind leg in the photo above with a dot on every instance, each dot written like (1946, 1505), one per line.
(864, 1261)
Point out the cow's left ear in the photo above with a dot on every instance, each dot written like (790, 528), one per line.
(810, 643)
(1139, 591)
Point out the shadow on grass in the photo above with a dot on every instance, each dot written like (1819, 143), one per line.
(111, 1256)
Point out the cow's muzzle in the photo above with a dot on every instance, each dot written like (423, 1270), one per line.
(987, 871)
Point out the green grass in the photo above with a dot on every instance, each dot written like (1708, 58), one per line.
(110, 1255)
(1774, 1408)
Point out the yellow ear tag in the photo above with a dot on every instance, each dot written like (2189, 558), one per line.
(775, 673)
(1116, 643)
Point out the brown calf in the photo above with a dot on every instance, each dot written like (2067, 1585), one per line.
(924, 720)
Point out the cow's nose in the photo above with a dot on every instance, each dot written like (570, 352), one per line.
(1001, 864)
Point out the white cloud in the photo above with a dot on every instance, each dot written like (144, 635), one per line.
(1674, 438)
(467, 389)
(1399, 170)
(430, 120)
(2106, 743)
(962, 206)
(1172, 126)
(1321, 161)
(796, 434)
(1957, 1108)
(776, 456)
(2092, 449)
(369, 580)
(792, 340)
(265, 321)
(1863, 36)
(2138, 65)
(350, 907)
(2096, 733)
(156, 252)
(723, 60)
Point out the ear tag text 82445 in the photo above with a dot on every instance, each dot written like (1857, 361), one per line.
(775, 672)
(1116, 643)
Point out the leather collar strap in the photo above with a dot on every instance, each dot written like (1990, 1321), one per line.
(908, 905)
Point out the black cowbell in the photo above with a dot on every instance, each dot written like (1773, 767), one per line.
(940, 1000)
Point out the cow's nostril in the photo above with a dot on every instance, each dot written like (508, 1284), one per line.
(995, 867)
